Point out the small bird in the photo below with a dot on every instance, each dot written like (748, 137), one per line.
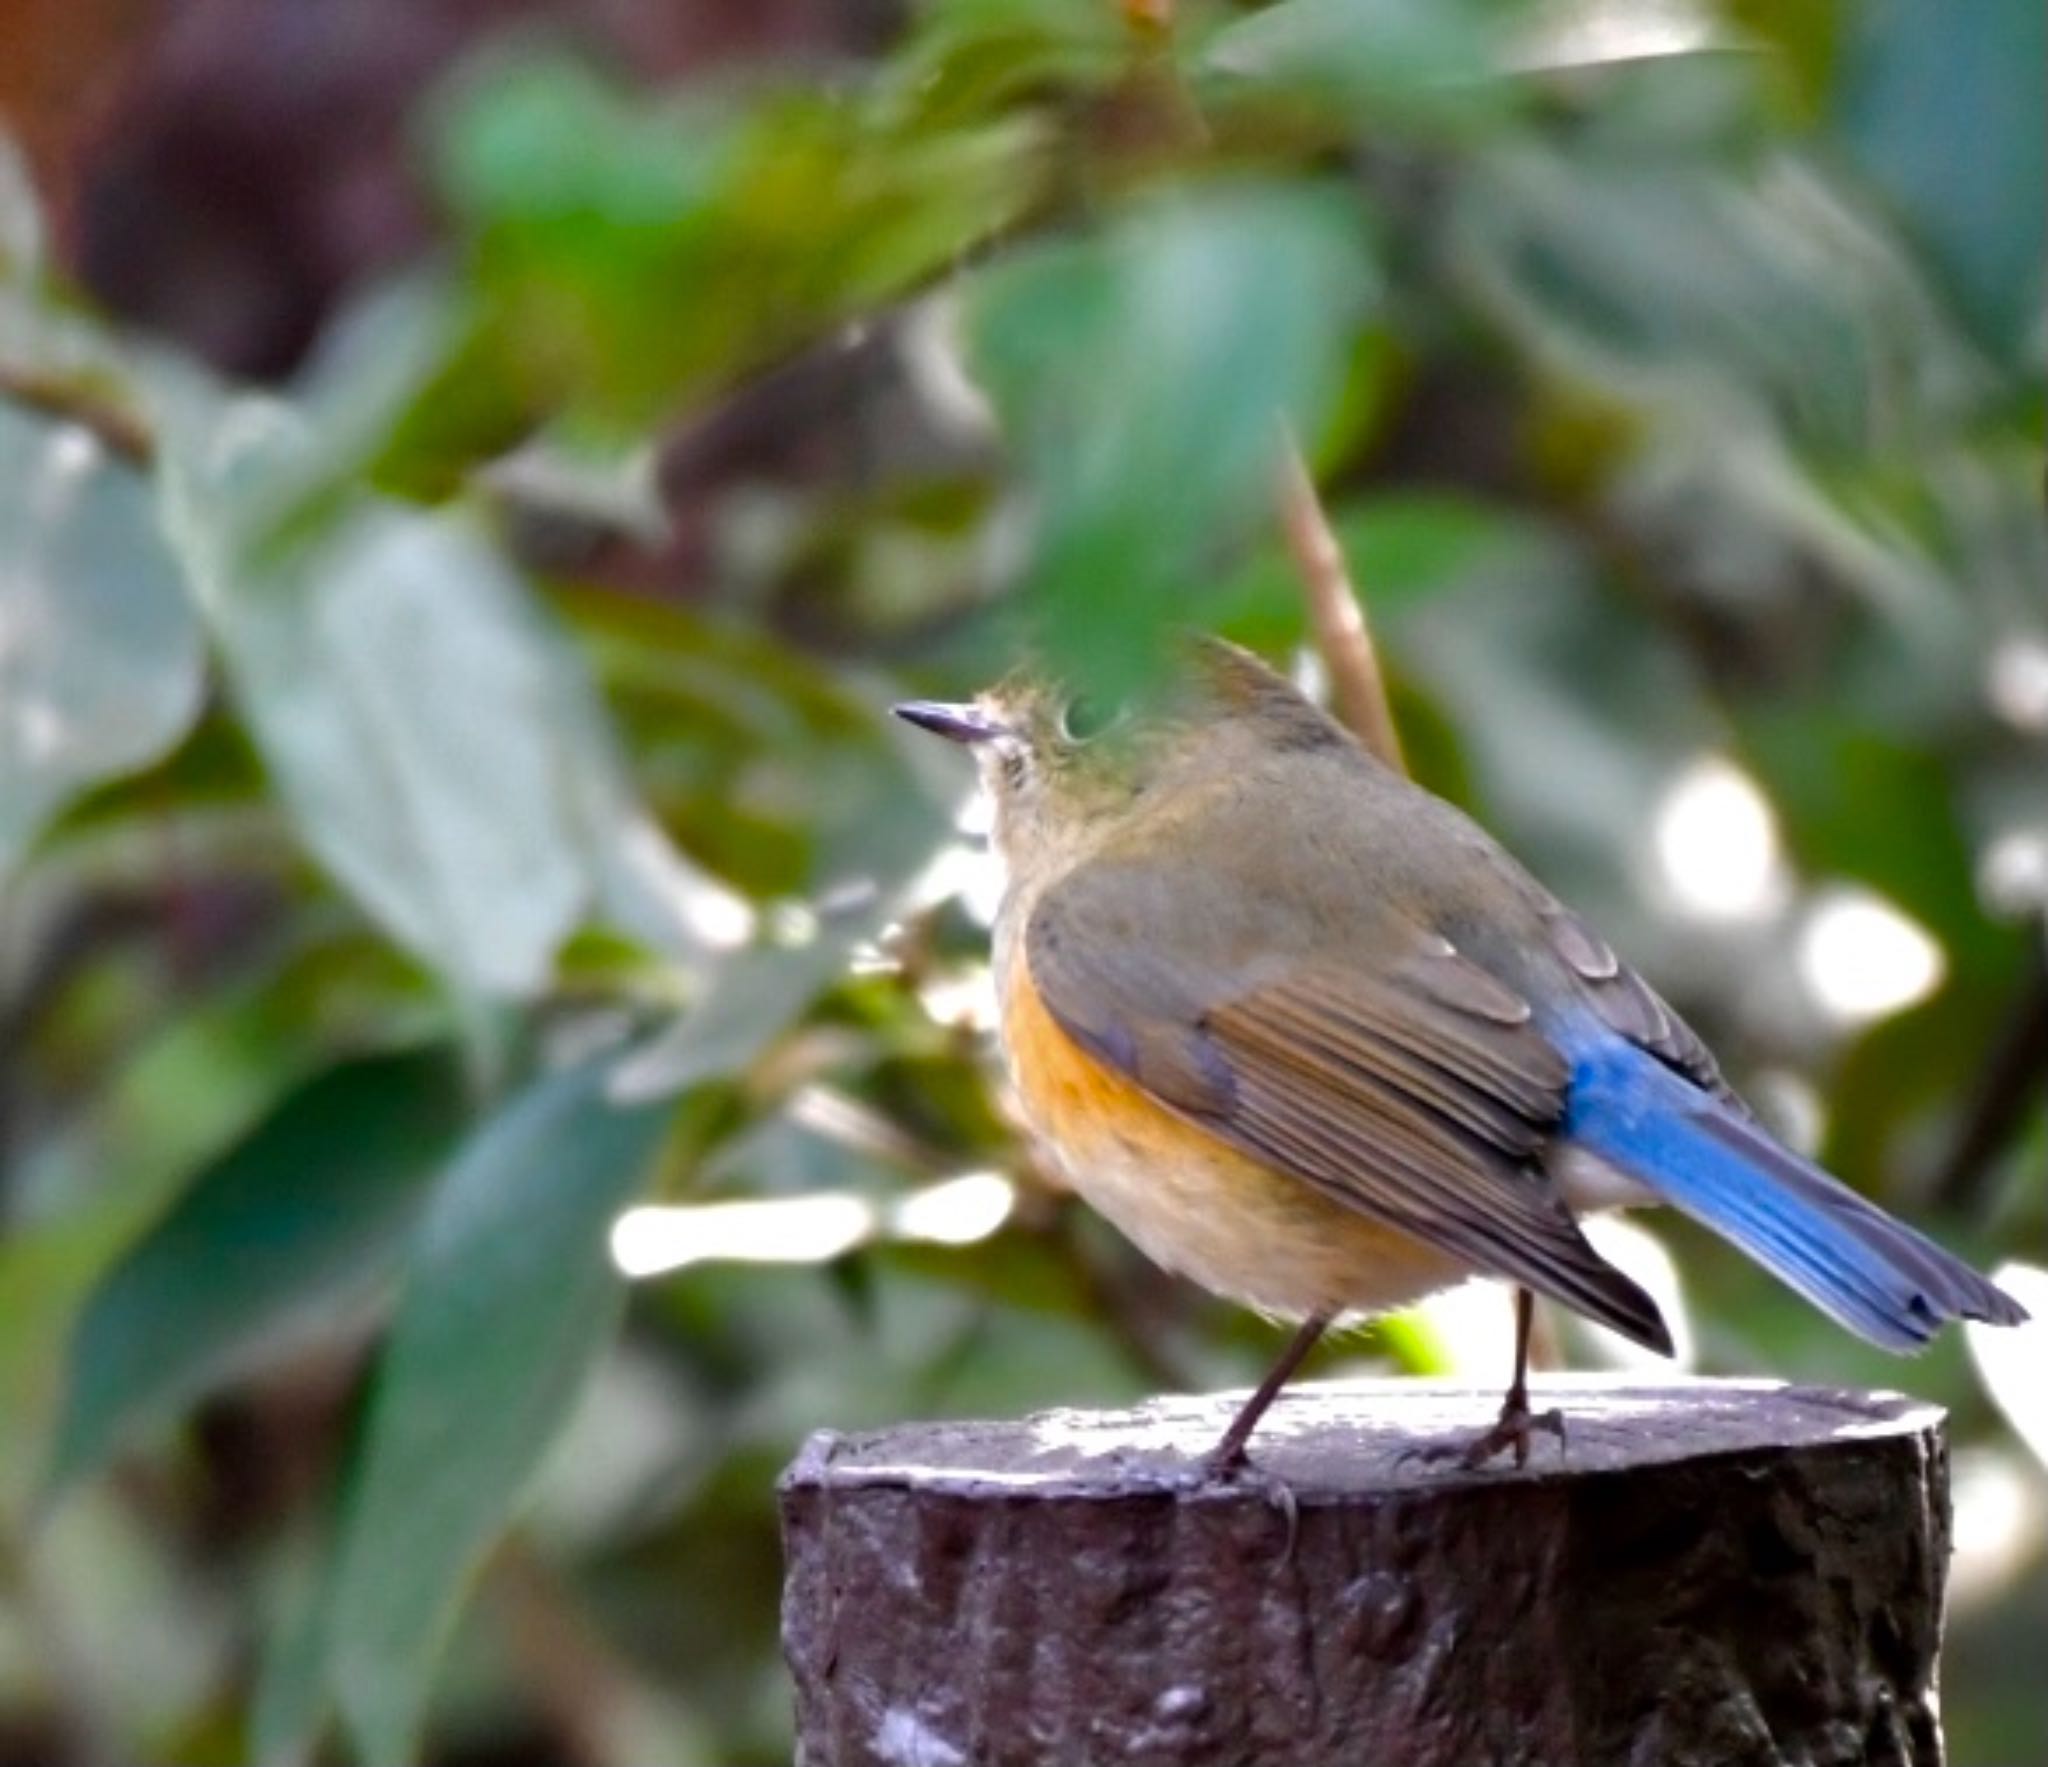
(1306, 1034)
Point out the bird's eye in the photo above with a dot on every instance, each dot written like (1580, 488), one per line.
(1084, 716)
(1013, 767)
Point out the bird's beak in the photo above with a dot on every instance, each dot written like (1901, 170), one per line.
(954, 723)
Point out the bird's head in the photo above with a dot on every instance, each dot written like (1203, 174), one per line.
(1049, 775)
(1057, 774)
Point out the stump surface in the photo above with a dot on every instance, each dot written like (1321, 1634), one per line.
(1718, 1574)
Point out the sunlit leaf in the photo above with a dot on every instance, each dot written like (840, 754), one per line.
(1144, 377)
(273, 1240)
(43, 1272)
(409, 699)
(508, 1299)
(102, 663)
(434, 737)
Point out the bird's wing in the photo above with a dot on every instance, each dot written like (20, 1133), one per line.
(1417, 1091)
(1629, 1006)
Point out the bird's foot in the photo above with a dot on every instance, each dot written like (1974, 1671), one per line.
(1511, 1433)
(1228, 1464)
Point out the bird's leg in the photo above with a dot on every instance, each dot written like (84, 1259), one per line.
(1228, 1461)
(1517, 1422)
(1228, 1456)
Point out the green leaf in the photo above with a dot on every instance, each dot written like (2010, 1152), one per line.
(973, 58)
(508, 1301)
(288, 1705)
(371, 365)
(1401, 547)
(102, 664)
(1434, 63)
(1143, 377)
(406, 691)
(1721, 299)
(754, 996)
(1973, 192)
(1573, 708)
(430, 731)
(1880, 806)
(787, 777)
(592, 207)
(286, 1229)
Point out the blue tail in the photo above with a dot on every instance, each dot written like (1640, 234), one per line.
(1870, 1273)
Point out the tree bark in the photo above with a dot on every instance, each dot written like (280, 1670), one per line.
(1716, 1574)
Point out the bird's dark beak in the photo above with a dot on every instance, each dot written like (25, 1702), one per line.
(954, 723)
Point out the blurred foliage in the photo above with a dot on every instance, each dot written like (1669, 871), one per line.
(446, 797)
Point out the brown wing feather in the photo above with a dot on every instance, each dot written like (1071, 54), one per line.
(1419, 1094)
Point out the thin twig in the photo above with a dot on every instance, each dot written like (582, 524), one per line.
(841, 1118)
(122, 432)
(1357, 688)
(579, 1686)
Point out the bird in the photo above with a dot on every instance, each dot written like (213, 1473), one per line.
(1308, 1035)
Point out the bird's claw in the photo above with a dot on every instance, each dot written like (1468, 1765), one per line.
(1232, 1466)
(1510, 1433)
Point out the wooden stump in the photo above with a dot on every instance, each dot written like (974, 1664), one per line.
(1719, 1574)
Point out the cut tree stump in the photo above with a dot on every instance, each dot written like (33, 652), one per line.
(1718, 1574)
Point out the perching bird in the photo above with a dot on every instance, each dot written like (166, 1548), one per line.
(1309, 1036)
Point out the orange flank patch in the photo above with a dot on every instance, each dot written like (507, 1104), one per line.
(1190, 1200)
(1085, 1109)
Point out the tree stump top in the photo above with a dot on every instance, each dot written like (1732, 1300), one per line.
(1344, 1439)
(1713, 1574)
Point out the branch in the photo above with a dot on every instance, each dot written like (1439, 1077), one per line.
(122, 432)
(1357, 688)
(585, 1694)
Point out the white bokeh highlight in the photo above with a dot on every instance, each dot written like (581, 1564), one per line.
(1863, 959)
(1716, 844)
(658, 1238)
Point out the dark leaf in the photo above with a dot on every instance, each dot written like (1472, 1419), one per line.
(293, 1224)
(509, 1298)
